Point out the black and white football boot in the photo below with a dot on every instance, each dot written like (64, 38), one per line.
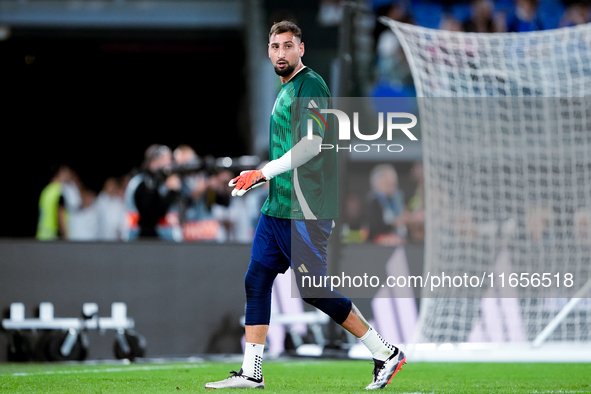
(237, 381)
(384, 371)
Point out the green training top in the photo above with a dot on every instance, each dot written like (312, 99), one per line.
(309, 191)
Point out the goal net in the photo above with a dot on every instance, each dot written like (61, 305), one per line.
(506, 136)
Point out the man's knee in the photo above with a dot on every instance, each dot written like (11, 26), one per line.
(250, 281)
(258, 283)
(258, 279)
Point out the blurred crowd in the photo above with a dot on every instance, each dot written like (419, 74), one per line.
(165, 200)
(393, 77)
(69, 210)
(173, 196)
(384, 216)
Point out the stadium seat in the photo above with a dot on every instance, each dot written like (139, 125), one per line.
(427, 14)
(550, 12)
(461, 11)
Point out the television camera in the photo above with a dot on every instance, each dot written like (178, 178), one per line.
(210, 166)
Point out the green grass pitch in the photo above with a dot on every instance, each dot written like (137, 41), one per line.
(298, 376)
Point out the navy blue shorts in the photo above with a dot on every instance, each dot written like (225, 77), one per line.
(301, 244)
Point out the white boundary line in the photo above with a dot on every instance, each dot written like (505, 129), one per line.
(104, 370)
(508, 352)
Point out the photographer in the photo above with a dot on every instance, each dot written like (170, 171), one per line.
(200, 190)
(151, 195)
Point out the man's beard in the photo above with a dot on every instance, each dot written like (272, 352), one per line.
(286, 71)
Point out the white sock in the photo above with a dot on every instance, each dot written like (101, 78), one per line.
(379, 348)
(252, 366)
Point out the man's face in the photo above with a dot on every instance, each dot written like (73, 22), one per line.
(389, 183)
(163, 161)
(183, 156)
(285, 51)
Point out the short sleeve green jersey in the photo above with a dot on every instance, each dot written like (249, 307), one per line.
(310, 190)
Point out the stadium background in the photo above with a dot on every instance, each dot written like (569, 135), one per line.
(95, 94)
(95, 98)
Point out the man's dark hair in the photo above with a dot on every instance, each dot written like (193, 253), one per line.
(284, 27)
(154, 152)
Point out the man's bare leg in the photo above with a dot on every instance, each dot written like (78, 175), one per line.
(356, 323)
(256, 334)
(358, 326)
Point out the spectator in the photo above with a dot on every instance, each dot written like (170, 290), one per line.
(385, 207)
(239, 216)
(582, 222)
(57, 199)
(462, 223)
(524, 18)
(539, 224)
(481, 18)
(235, 223)
(392, 65)
(415, 218)
(450, 23)
(199, 192)
(353, 231)
(255, 199)
(111, 209)
(150, 196)
(84, 220)
(575, 14)
(194, 203)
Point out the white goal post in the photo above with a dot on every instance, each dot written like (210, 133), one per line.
(505, 120)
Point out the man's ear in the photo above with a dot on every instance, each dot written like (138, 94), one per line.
(302, 49)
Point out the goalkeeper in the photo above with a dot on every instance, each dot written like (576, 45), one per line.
(294, 231)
